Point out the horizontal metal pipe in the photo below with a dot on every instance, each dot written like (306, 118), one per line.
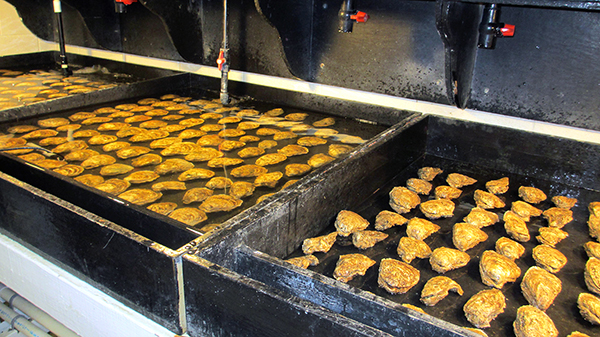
(20, 322)
(35, 313)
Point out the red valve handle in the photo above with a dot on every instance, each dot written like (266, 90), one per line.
(507, 30)
(360, 17)
(126, 2)
(221, 60)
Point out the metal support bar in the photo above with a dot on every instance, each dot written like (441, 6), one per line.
(64, 65)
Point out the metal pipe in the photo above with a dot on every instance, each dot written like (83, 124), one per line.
(34, 312)
(20, 322)
(64, 65)
(223, 59)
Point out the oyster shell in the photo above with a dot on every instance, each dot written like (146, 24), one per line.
(169, 186)
(466, 236)
(90, 179)
(146, 159)
(589, 307)
(311, 141)
(210, 140)
(386, 220)
(338, 150)
(531, 194)
(525, 210)
(140, 177)
(188, 215)
(230, 145)
(481, 218)
(250, 152)
(37, 134)
(268, 179)
(266, 132)
(220, 203)
(115, 146)
(437, 288)
(70, 146)
(564, 202)
(204, 154)
(270, 159)
(52, 141)
(97, 161)
(496, 269)
(444, 259)
(7, 143)
(267, 144)
(558, 217)
(69, 170)
(148, 136)
(484, 307)
(102, 139)
(540, 288)
(367, 239)
(183, 148)
(350, 265)
(551, 235)
(22, 128)
(173, 165)
(85, 133)
(137, 119)
(549, 258)
(282, 135)
(447, 192)
(294, 170)
(320, 159)
(439, 208)
(348, 222)
(153, 124)
(191, 133)
(298, 116)
(53, 122)
(224, 162)
(397, 277)
(410, 248)
(164, 142)
(487, 200)
(141, 196)
(195, 173)
(115, 169)
(509, 248)
(429, 173)
(458, 180)
(247, 171)
(420, 229)
(241, 189)
(499, 186)
(516, 227)
(197, 194)
(293, 150)
(163, 208)
(190, 122)
(113, 186)
(113, 126)
(303, 261)
(219, 183)
(325, 122)
(319, 244)
(96, 120)
(533, 322)
(402, 200)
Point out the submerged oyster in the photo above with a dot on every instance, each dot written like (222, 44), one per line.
(268, 179)
(146, 159)
(163, 208)
(241, 189)
(140, 177)
(140, 196)
(113, 186)
(50, 164)
(293, 150)
(195, 173)
(338, 150)
(115, 169)
(173, 165)
(319, 160)
(220, 203)
(247, 171)
(197, 194)
(97, 161)
(311, 141)
(188, 215)
(69, 170)
(90, 179)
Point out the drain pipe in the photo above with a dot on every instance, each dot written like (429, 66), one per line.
(64, 65)
(20, 322)
(16, 301)
(222, 61)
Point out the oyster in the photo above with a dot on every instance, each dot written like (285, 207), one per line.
(219, 183)
(439, 208)
(146, 159)
(70, 146)
(22, 128)
(266, 132)
(169, 186)
(211, 127)
(444, 259)
(533, 322)
(85, 133)
(7, 143)
(190, 122)
(173, 165)
(32, 157)
(69, 170)
(183, 148)
(367, 239)
(140, 177)
(304, 261)
(249, 139)
(250, 152)
(241, 189)
(319, 160)
(293, 170)
(551, 235)
(319, 244)
(531, 194)
(132, 151)
(156, 112)
(293, 150)
(350, 265)
(220, 203)
(325, 122)
(115, 169)
(267, 144)
(164, 142)
(311, 141)
(270, 159)
(496, 269)
(437, 288)
(114, 146)
(81, 116)
(589, 307)
(592, 275)
(458, 180)
(410, 248)
(68, 127)
(499, 186)
(163, 208)
(230, 145)
(90, 179)
(594, 219)
(210, 140)
(487, 200)
(429, 173)
(268, 179)
(196, 173)
(387, 219)
(204, 154)
(420, 229)
(141, 196)
(509, 248)
(224, 162)
(148, 136)
(52, 141)
(592, 249)
(189, 216)
(419, 186)
(96, 120)
(229, 120)
(53, 122)
(191, 133)
(113, 126)
(484, 307)
(348, 222)
(447, 192)
(516, 227)
(231, 133)
(101, 139)
(197, 194)
(152, 124)
(540, 288)
(466, 236)
(298, 116)
(130, 131)
(549, 258)
(282, 135)
(128, 106)
(148, 101)
(37, 134)
(525, 210)
(558, 217)
(97, 161)
(246, 171)
(564, 202)
(402, 200)
(481, 218)
(113, 186)
(397, 277)
(137, 119)
(338, 150)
